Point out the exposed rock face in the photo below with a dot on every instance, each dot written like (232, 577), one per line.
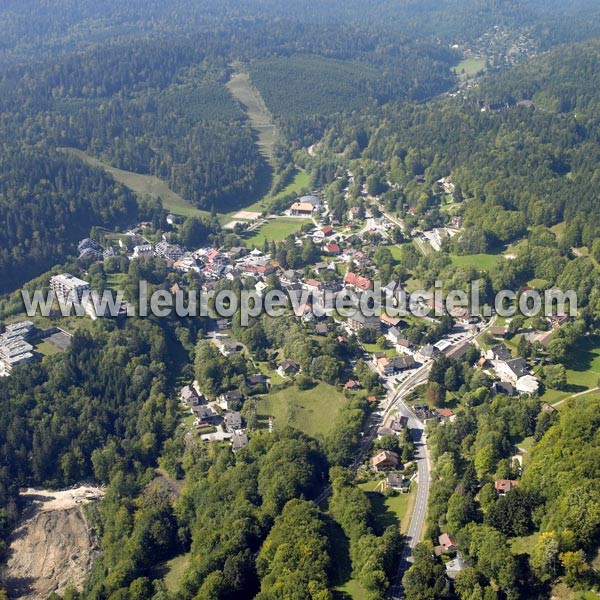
(49, 551)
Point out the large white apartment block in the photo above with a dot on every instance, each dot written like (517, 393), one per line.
(14, 346)
(69, 287)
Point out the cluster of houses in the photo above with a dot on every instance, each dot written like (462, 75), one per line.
(88, 248)
(221, 417)
(388, 462)
(515, 377)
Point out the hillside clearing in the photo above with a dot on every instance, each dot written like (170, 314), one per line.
(143, 185)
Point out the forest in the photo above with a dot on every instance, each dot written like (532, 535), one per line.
(47, 204)
(145, 90)
(476, 449)
(517, 165)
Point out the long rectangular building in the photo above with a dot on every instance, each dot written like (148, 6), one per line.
(69, 287)
(15, 348)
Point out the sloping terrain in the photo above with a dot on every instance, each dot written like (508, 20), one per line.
(51, 550)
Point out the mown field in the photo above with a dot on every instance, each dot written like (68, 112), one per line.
(299, 184)
(583, 371)
(312, 411)
(241, 88)
(470, 67)
(275, 229)
(483, 262)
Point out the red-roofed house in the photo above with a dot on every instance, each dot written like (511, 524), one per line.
(445, 414)
(447, 543)
(324, 232)
(385, 460)
(357, 281)
(333, 249)
(503, 486)
(352, 385)
(266, 269)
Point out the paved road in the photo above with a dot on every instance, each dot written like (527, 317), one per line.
(395, 403)
(417, 427)
(419, 515)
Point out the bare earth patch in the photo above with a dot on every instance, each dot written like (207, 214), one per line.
(53, 548)
(247, 215)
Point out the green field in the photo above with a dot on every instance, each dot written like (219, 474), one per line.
(559, 229)
(312, 411)
(583, 371)
(396, 251)
(372, 348)
(275, 229)
(393, 510)
(300, 182)
(524, 545)
(470, 67)
(116, 281)
(143, 185)
(353, 589)
(537, 284)
(482, 262)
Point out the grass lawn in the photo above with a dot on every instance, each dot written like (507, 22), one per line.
(351, 589)
(312, 411)
(115, 281)
(451, 208)
(483, 262)
(173, 571)
(583, 371)
(413, 285)
(246, 94)
(45, 348)
(275, 229)
(300, 182)
(393, 510)
(470, 66)
(537, 283)
(395, 251)
(371, 348)
(527, 444)
(273, 375)
(525, 448)
(524, 545)
(559, 229)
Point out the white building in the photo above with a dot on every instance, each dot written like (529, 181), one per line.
(143, 250)
(14, 346)
(69, 287)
